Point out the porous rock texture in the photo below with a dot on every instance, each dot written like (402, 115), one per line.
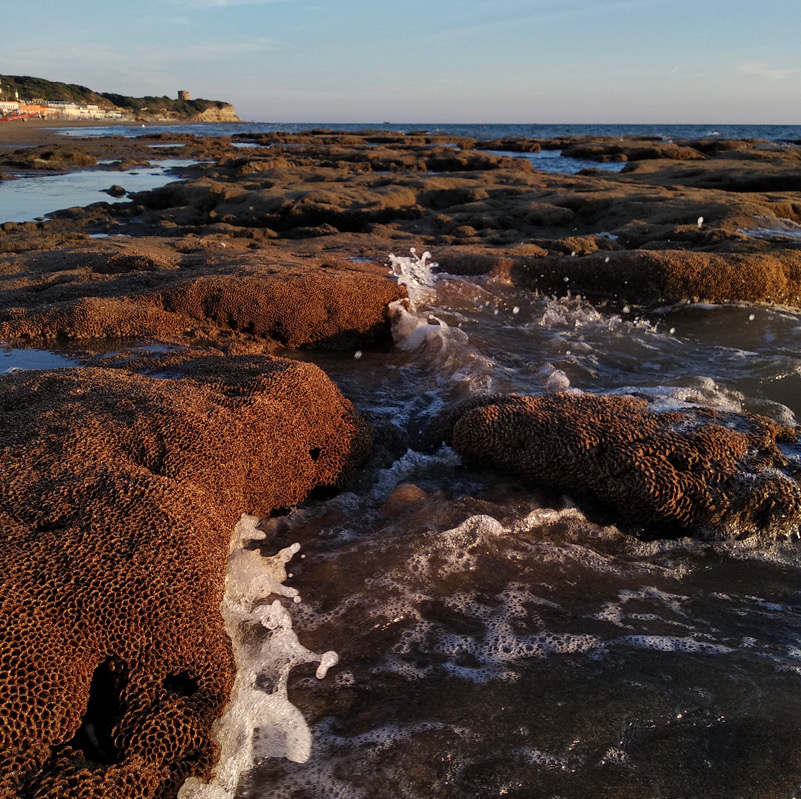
(118, 496)
(125, 290)
(667, 275)
(331, 310)
(713, 473)
(708, 220)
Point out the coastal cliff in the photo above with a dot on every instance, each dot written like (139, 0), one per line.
(23, 95)
(222, 113)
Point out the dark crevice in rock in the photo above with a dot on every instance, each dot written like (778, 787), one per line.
(104, 709)
(181, 684)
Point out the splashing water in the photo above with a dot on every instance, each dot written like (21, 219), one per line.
(414, 272)
(498, 641)
(258, 722)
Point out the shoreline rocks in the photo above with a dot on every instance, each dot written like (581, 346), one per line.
(120, 490)
(123, 291)
(689, 470)
(673, 225)
(119, 494)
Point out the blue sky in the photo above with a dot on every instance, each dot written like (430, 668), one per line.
(514, 61)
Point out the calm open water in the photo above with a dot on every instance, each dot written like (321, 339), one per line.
(477, 131)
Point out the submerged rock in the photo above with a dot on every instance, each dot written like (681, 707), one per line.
(691, 469)
(118, 496)
(115, 190)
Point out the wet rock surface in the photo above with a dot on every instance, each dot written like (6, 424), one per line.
(283, 244)
(694, 203)
(693, 469)
(118, 497)
(182, 293)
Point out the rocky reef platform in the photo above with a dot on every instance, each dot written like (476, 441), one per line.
(123, 479)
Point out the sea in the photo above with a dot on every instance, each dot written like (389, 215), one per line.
(674, 132)
(438, 631)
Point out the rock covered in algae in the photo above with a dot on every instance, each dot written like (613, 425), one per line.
(118, 496)
(686, 469)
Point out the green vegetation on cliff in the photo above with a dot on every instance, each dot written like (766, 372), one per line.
(30, 88)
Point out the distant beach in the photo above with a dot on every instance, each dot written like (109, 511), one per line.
(31, 132)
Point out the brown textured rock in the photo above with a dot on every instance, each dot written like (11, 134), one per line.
(669, 275)
(324, 309)
(324, 193)
(693, 469)
(119, 290)
(50, 158)
(118, 497)
(625, 149)
(90, 318)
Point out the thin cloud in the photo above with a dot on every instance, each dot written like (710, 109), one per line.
(765, 71)
(214, 51)
(229, 3)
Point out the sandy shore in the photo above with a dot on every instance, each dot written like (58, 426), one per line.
(35, 132)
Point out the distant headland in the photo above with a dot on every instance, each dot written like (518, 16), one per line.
(24, 97)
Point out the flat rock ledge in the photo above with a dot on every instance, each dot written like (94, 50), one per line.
(123, 291)
(118, 497)
(676, 472)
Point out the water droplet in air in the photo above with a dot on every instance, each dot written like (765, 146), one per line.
(357, 354)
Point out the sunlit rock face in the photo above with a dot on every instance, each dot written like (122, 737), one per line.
(118, 496)
(689, 468)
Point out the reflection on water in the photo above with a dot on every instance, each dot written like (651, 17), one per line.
(498, 640)
(491, 645)
(772, 228)
(22, 360)
(28, 198)
(553, 161)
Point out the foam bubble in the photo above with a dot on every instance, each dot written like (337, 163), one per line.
(258, 722)
(415, 273)
(411, 330)
(558, 381)
(673, 643)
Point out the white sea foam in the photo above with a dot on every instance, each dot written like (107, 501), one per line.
(258, 722)
(412, 330)
(324, 776)
(706, 393)
(440, 350)
(675, 643)
(415, 273)
(387, 480)
(766, 227)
